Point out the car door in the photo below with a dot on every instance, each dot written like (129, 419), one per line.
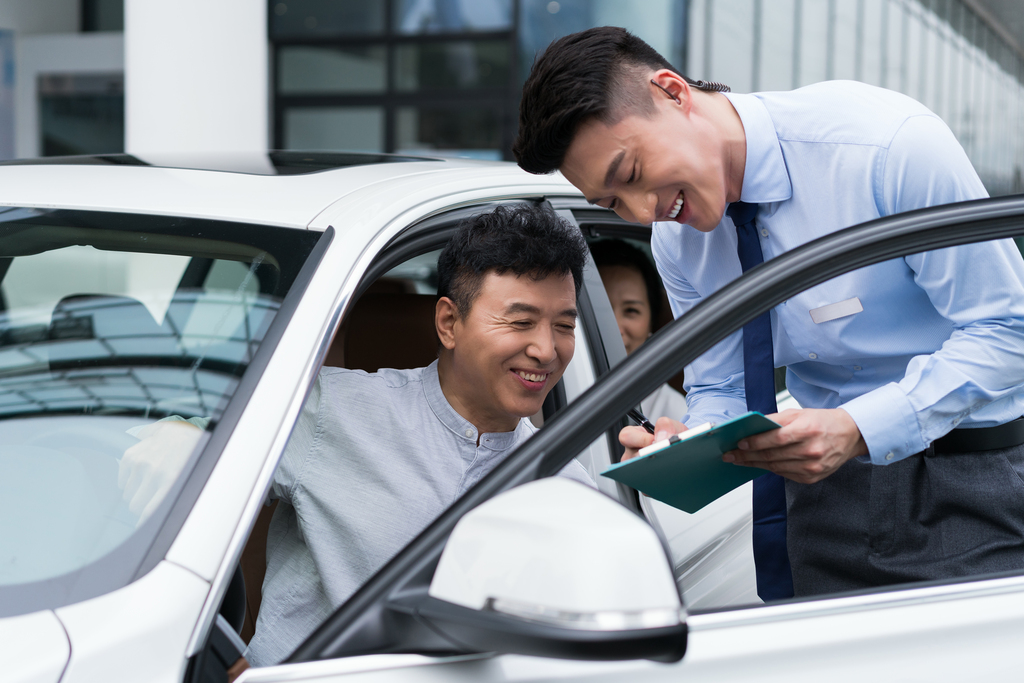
(965, 629)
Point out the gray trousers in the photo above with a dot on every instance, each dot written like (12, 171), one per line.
(923, 518)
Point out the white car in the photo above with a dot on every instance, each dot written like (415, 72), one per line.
(132, 290)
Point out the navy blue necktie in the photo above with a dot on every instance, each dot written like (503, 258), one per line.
(771, 559)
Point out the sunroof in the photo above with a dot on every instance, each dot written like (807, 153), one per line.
(270, 163)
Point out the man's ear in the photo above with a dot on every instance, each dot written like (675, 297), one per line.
(446, 314)
(674, 85)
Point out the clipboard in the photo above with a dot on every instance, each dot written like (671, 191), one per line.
(686, 471)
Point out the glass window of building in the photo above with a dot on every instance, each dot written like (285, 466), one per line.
(451, 16)
(432, 76)
(444, 76)
(81, 114)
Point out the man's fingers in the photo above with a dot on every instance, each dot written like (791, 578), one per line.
(767, 455)
(666, 427)
(145, 494)
(776, 438)
(152, 502)
(809, 446)
(129, 461)
(790, 432)
(634, 438)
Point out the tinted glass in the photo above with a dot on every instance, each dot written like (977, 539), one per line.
(451, 16)
(463, 131)
(109, 324)
(81, 114)
(460, 64)
(301, 18)
(303, 69)
(359, 129)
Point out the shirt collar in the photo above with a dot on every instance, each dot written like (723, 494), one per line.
(460, 426)
(765, 177)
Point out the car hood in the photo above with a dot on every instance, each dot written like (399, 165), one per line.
(33, 648)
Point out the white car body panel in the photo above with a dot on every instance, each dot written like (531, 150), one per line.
(288, 201)
(388, 200)
(136, 633)
(917, 635)
(33, 648)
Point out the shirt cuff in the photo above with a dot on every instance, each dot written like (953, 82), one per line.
(888, 424)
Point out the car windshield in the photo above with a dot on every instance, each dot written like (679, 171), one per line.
(110, 323)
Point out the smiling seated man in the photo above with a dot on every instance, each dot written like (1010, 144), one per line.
(374, 458)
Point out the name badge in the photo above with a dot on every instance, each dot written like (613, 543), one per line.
(836, 310)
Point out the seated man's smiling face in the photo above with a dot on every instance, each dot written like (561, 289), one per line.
(500, 361)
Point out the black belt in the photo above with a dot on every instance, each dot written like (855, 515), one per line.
(980, 439)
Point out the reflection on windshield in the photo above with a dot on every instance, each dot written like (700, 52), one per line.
(100, 340)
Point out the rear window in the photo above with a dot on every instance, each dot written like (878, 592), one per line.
(110, 323)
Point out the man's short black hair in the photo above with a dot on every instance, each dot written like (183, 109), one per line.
(594, 74)
(525, 240)
(617, 252)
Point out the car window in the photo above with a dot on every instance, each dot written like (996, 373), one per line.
(112, 326)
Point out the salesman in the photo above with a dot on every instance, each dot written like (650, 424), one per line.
(888, 359)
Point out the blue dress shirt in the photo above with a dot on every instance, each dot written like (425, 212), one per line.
(938, 343)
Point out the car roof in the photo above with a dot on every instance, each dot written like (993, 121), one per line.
(287, 189)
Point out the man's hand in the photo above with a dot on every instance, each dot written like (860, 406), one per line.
(810, 445)
(635, 438)
(148, 468)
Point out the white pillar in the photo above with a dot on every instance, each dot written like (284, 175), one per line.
(196, 76)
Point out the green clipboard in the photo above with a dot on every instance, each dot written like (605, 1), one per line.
(688, 472)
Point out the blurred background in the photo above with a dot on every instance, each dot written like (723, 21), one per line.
(443, 77)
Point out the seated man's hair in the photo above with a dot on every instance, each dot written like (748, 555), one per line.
(525, 240)
(600, 73)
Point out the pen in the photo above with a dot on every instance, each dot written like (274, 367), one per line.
(639, 418)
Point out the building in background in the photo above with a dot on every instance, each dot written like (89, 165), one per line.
(444, 76)
(66, 71)
(6, 94)
(963, 59)
(428, 75)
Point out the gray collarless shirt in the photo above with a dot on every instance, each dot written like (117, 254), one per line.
(374, 459)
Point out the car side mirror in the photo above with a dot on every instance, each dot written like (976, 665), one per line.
(554, 568)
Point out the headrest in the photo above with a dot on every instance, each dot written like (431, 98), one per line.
(387, 330)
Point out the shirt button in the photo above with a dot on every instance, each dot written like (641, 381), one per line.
(812, 356)
(857, 367)
(764, 232)
(889, 456)
(469, 433)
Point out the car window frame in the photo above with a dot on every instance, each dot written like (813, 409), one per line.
(676, 345)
